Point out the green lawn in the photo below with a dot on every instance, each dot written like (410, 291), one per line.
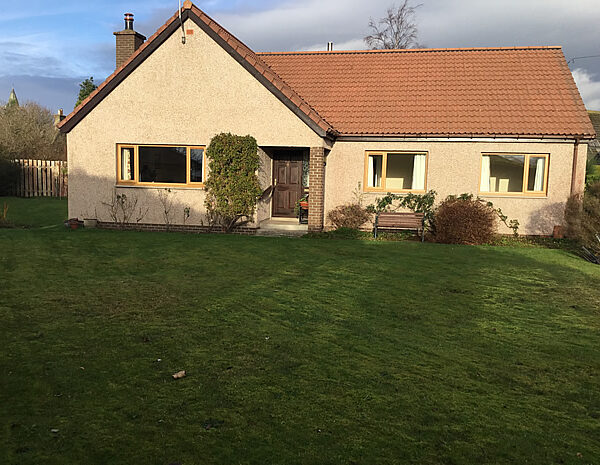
(298, 351)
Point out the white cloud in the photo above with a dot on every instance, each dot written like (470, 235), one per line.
(588, 87)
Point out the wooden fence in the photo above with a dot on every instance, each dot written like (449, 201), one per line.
(42, 178)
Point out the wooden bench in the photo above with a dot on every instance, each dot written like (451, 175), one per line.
(397, 220)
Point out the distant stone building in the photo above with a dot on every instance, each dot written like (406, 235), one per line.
(12, 99)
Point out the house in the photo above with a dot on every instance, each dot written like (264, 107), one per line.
(507, 124)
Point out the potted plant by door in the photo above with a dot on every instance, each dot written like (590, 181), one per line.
(73, 223)
(301, 209)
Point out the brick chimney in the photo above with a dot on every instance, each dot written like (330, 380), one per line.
(128, 41)
(59, 117)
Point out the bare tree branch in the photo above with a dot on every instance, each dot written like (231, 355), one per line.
(396, 31)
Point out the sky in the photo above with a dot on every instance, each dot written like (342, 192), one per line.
(48, 48)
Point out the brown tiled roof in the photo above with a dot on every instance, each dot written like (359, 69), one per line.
(241, 53)
(525, 91)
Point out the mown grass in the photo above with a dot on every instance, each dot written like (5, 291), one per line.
(35, 212)
(297, 351)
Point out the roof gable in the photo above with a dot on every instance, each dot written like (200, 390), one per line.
(511, 92)
(233, 46)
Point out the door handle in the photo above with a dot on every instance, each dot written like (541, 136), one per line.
(275, 182)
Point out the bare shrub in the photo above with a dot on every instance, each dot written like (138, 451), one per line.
(582, 216)
(166, 200)
(465, 220)
(351, 216)
(122, 209)
(28, 131)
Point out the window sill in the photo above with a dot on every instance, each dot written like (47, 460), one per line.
(161, 186)
(512, 196)
(369, 191)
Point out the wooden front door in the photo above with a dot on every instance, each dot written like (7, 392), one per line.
(287, 179)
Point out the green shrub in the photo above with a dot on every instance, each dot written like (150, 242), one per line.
(592, 172)
(350, 216)
(465, 220)
(232, 184)
(9, 174)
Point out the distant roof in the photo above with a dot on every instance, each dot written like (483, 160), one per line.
(491, 92)
(595, 119)
(520, 91)
(594, 145)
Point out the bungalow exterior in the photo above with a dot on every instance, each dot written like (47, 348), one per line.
(507, 124)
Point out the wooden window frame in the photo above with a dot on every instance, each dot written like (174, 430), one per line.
(525, 192)
(136, 174)
(125, 182)
(384, 154)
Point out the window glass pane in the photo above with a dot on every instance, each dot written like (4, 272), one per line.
(162, 164)
(374, 170)
(537, 169)
(127, 163)
(505, 173)
(196, 157)
(399, 171)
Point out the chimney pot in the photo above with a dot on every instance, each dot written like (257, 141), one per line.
(59, 117)
(128, 21)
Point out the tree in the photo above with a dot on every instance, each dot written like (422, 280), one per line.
(232, 185)
(396, 31)
(28, 131)
(85, 89)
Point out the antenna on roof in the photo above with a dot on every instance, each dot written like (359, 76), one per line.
(572, 60)
(181, 22)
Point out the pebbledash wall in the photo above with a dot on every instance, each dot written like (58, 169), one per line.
(454, 168)
(181, 94)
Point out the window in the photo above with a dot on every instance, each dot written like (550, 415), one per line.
(514, 174)
(161, 165)
(127, 163)
(395, 172)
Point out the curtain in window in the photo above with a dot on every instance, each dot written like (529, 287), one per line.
(126, 162)
(539, 175)
(418, 180)
(485, 174)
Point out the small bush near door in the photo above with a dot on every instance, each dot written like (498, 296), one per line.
(465, 220)
(351, 216)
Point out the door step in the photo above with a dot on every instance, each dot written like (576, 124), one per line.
(286, 227)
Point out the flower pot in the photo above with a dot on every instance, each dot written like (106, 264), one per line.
(73, 223)
(90, 222)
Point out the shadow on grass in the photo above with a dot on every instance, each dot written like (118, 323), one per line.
(302, 351)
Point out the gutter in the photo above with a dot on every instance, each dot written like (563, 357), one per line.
(574, 169)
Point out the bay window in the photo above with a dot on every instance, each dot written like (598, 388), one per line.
(395, 171)
(159, 165)
(514, 174)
